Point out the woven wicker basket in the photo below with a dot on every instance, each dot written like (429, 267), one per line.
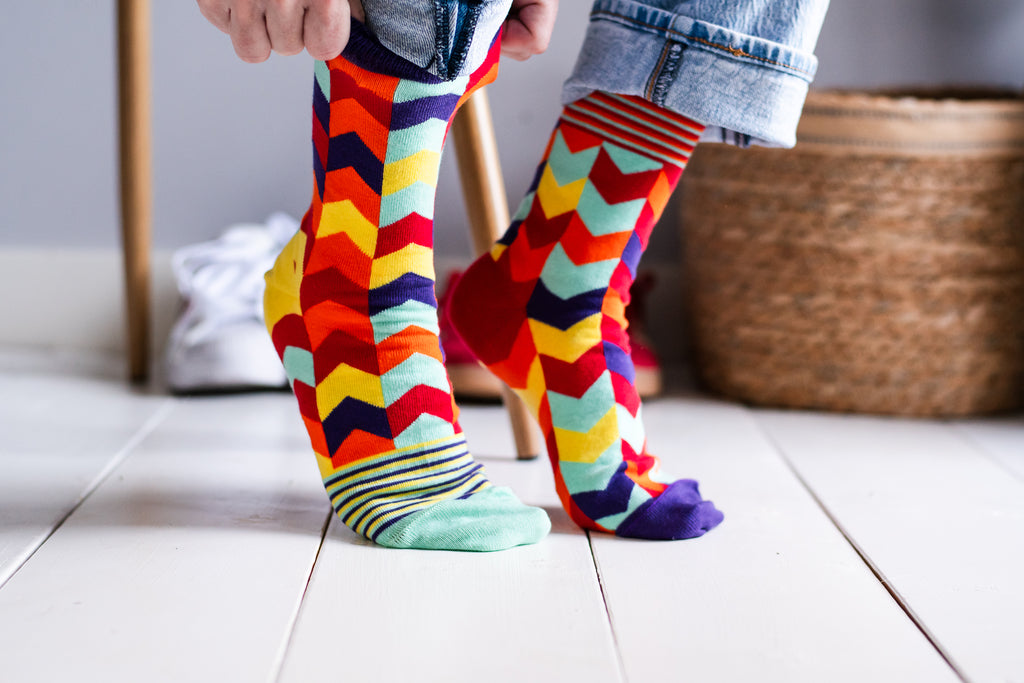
(877, 267)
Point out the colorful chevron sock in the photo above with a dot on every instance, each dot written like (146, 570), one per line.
(350, 306)
(544, 310)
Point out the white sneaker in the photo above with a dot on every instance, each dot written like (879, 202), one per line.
(219, 342)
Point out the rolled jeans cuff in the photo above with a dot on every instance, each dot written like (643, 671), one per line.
(746, 89)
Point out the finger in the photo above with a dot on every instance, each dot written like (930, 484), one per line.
(326, 28)
(217, 13)
(285, 25)
(248, 30)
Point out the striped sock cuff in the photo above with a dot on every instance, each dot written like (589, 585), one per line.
(370, 495)
(636, 124)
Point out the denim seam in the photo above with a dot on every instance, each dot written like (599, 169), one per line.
(736, 52)
(464, 33)
(442, 30)
(663, 74)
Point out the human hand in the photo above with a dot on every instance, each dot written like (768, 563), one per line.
(257, 27)
(527, 30)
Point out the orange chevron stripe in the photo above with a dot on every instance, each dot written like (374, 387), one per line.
(581, 247)
(349, 80)
(360, 444)
(349, 116)
(345, 183)
(397, 348)
(338, 250)
(316, 435)
(324, 318)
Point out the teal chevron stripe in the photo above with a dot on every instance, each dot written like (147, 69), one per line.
(524, 207)
(322, 72)
(602, 218)
(595, 476)
(631, 429)
(426, 427)
(402, 144)
(418, 369)
(417, 198)
(569, 167)
(581, 414)
(298, 365)
(407, 314)
(410, 90)
(630, 162)
(567, 279)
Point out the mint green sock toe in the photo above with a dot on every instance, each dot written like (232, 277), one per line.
(491, 519)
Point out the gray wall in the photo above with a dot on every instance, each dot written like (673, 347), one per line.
(232, 139)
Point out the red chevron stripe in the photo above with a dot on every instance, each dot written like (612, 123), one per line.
(577, 139)
(541, 230)
(413, 229)
(625, 393)
(638, 467)
(420, 400)
(341, 347)
(614, 186)
(321, 141)
(574, 379)
(289, 331)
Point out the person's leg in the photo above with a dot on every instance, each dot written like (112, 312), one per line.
(544, 309)
(351, 308)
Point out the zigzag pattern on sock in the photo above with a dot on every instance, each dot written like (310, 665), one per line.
(554, 327)
(352, 311)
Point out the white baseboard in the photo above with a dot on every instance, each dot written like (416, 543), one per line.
(74, 300)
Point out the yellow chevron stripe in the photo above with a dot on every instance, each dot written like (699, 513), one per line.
(413, 258)
(345, 381)
(420, 167)
(567, 346)
(282, 292)
(344, 217)
(587, 448)
(557, 199)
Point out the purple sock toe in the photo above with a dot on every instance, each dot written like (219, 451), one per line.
(679, 512)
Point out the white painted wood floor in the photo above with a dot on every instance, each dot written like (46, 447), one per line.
(147, 538)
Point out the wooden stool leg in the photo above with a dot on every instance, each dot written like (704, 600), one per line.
(487, 206)
(133, 42)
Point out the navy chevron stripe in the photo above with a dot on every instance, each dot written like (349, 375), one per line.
(349, 151)
(409, 287)
(321, 108)
(408, 114)
(549, 308)
(612, 500)
(352, 414)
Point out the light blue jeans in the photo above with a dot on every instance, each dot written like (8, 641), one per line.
(741, 67)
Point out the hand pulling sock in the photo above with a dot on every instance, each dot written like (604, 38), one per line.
(351, 308)
(544, 310)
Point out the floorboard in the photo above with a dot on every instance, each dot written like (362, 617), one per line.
(186, 564)
(1001, 438)
(65, 421)
(941, 521)
(774, 594)
(527, 614)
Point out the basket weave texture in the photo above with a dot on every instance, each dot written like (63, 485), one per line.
(877, 267)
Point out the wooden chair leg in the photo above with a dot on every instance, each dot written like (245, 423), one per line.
(133, 40)
(487, 206)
